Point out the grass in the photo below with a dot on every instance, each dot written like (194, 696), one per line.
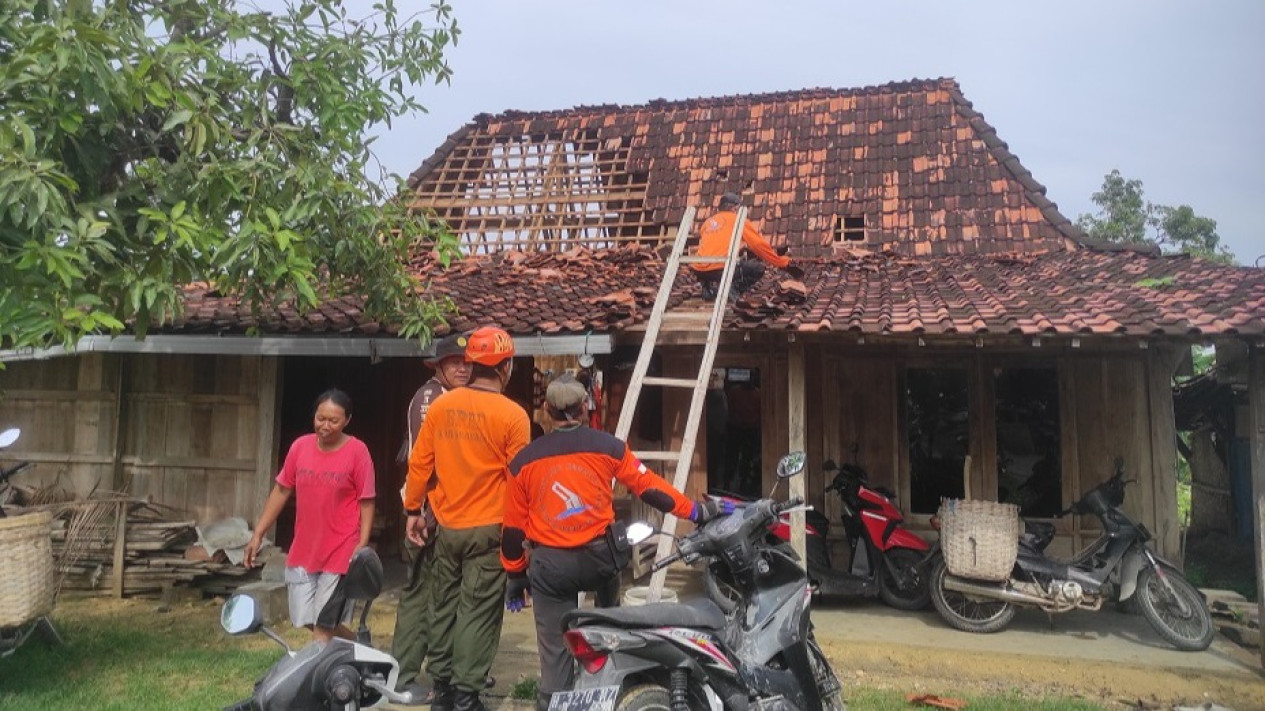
(134, 657)
(126, 655)
(884, 700)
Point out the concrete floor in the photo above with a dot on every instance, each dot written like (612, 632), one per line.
(1109, 636)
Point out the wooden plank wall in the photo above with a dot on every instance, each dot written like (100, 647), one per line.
(65, 408)
(191, 438)
(1111, 404)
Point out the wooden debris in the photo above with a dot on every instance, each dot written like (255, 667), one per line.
(154, 555)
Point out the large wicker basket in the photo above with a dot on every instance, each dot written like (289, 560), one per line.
(980, 538)
(26, 568)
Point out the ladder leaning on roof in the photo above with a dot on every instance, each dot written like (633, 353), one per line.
(698, 384)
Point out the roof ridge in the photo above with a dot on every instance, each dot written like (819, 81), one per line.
(906, 85)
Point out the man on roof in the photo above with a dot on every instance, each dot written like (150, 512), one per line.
(713, 241)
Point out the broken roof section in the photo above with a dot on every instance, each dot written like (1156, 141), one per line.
(907, 167)
(1086, 292)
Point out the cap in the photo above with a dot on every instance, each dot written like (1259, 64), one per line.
(451, 346)
(565, 392)
(730, 199)
(489, 346)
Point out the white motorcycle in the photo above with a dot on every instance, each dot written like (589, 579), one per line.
(340, 675)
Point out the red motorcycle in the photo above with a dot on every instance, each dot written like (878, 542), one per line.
(888, 561)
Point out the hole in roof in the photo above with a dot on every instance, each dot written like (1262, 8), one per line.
(849, 229)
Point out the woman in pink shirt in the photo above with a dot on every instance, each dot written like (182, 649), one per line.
(331, 476)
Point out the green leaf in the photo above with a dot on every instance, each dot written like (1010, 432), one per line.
(177, 118)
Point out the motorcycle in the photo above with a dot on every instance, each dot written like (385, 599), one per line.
(340, 675)
(1117, 567)
(695, 656)
(888, 561)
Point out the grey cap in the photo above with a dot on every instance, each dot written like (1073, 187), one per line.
(565, 392)
(730, 200)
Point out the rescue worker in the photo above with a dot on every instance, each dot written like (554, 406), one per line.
(560, 499)
(461, 461)
(413, 617)
(713, 241)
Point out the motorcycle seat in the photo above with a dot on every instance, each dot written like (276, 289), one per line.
(701, 613)
(1037, 534)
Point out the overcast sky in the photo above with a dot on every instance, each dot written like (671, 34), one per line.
(1171, 93)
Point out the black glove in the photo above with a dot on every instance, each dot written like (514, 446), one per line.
(515, 588)
(794, 271)
(782, 250)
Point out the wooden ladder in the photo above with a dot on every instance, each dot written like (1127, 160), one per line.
(697, 384)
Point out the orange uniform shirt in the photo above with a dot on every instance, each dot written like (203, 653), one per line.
(713, 241)
(463, 450)
(560, 491)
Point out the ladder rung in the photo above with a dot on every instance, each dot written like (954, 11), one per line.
(669, 382)
(688, 316)
(695, 259)
(659, 456)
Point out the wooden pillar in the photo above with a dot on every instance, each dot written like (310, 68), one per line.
(1256, 435)
(121, 416)
(795, 397)
(120, 547)
(269, 424)
(1162, 362)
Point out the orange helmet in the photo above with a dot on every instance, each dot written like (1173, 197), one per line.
(489, 346)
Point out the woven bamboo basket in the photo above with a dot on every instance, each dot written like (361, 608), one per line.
(980, 538)
(26, 568)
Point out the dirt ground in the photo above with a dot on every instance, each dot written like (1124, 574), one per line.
(1109, 657)
(1115, 685)
(872, 646)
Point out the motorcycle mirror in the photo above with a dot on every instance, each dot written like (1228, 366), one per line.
(9, 436)
(639, 531)
(791, 465)
(240, 615)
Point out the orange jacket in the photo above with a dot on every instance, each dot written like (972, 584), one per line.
(463, 451)
(560, 491)
(713, 241)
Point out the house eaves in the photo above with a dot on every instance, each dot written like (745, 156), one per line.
(374, 348)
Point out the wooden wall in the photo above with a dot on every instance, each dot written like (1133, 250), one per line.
(197, 431)
(1111, 403)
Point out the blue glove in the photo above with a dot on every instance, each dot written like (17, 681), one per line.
(705, 511)
(515, 589)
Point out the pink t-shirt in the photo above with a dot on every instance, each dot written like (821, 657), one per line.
(328, 488)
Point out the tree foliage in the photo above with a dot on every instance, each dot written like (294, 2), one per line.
(149, 144)
(1124, 215)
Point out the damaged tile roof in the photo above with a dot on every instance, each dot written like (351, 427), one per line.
(913, 160)
(603, 291)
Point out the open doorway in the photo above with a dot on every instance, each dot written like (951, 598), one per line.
(733, 410)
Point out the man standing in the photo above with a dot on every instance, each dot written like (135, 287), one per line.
(713, 241)
(460, 461)
(413, 617)
(560, 499)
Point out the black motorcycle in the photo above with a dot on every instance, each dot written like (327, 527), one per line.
(1117, 567)
(693, 656)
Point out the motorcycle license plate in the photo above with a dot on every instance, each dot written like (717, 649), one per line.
(600, 699)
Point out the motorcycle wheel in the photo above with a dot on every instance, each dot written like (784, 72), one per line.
(969, 614)
(907, 589)
(1189, 631)
(647, 697)
(828, 685)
